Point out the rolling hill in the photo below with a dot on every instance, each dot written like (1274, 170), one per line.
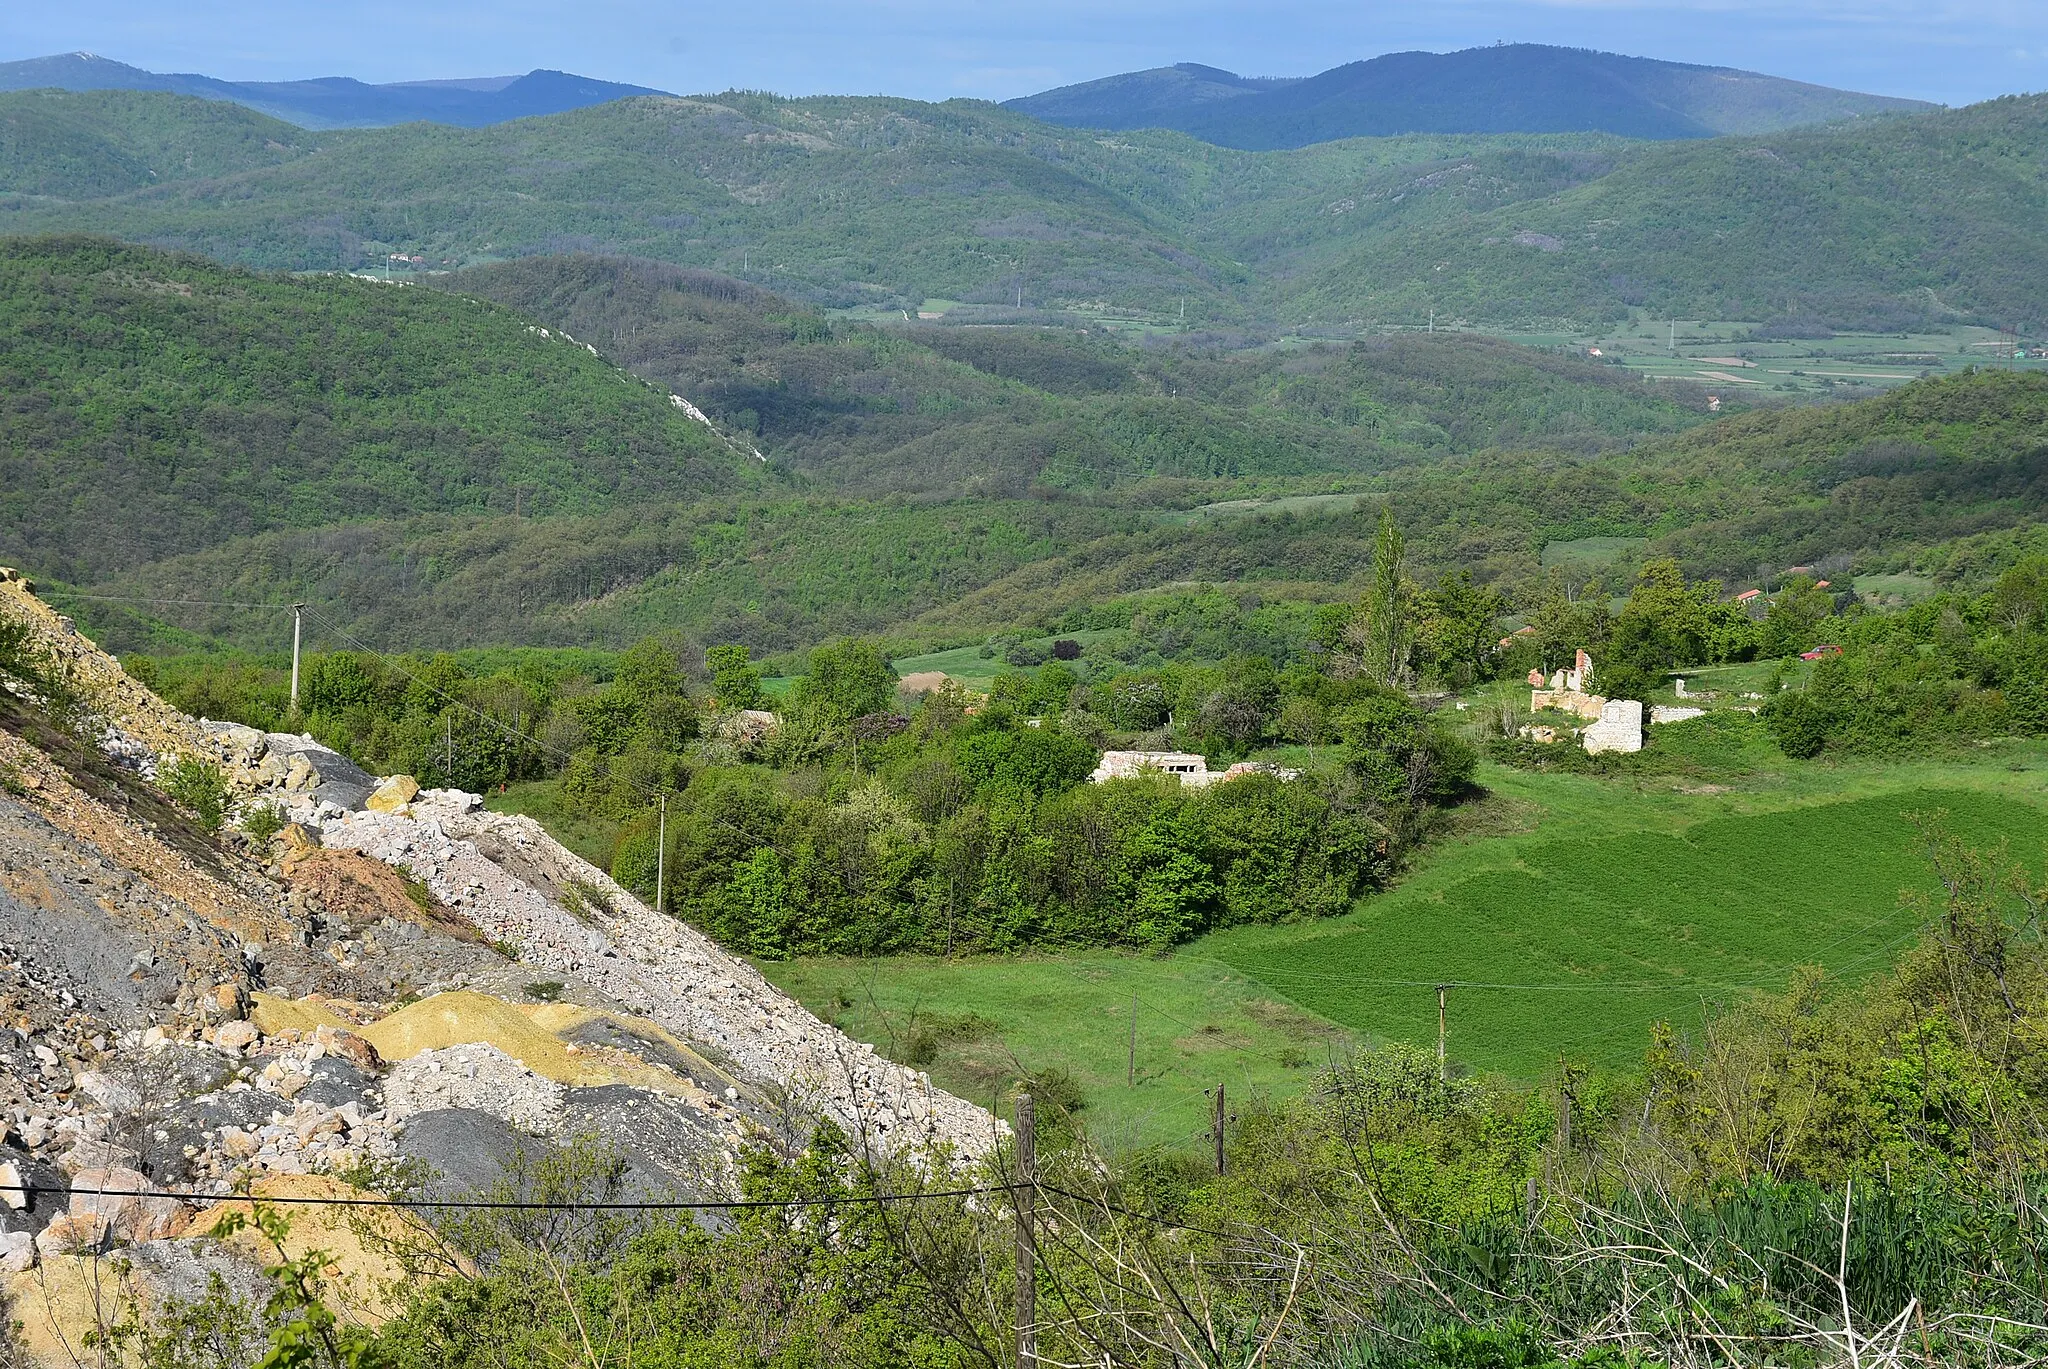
(891, 203)
(158, 404)
(1508, 88)
(1871, 225)
(335, 101)
(996, 411)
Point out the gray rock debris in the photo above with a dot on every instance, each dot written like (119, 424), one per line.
(659, 968)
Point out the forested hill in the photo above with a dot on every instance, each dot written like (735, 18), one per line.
(157, 403)
(1872, 225)
(1507, 88)
(1882, 483)
(883, 202)
(54, 143)
(998, 410)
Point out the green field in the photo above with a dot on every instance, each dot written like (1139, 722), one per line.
(1198, 1024)
(1598, 905)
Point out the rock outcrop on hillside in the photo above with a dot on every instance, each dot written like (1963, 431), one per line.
(399, 975)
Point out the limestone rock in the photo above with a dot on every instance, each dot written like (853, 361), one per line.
(348, 1046)
(393, 794)
(110, 1195)
(115, 1095)
(1620, 728)
(236, 1036)
(299, 840)
(13, 1188)
(90, 1154)
(17, 1252)
(69, 1232)
(1665, 713)
(232, 1000)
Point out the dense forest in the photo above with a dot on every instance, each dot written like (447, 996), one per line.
(207, 403)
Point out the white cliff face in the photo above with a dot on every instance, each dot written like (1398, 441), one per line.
(658, 967)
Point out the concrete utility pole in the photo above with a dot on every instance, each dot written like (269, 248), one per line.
(1027, 1252)
(1219, 1131)
(1443, 1023)
(297, 610)
(661, 855)
(1131, 1057)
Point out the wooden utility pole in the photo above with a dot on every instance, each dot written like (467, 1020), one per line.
(1131, 1055)
(1219, 1131)
(1027, 1252)
(1443, 1027)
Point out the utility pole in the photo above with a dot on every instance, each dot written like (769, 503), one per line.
(448, 763)
(1219, 1130)
(1443, 1023)
(1027, 1252)
(1432, 318)
(297, 611)
(1131, 1056)
(1564, 1103)
(661, 855)
(1674, 337)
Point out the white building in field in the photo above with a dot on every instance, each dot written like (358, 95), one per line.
(1190, 768)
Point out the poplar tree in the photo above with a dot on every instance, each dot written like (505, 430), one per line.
(1381, 632)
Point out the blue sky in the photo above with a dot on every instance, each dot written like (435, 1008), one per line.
(1954, 51)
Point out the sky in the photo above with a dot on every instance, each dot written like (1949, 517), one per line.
(1953, 51)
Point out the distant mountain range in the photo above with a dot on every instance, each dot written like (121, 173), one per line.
(336, 101)
(1510, 88)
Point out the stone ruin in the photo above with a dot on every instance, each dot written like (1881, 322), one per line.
(1619, 728)
(1567, 690)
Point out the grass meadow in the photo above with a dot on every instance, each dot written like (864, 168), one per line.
(1571, 912)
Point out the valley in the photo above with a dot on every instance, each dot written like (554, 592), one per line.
(1327, 718)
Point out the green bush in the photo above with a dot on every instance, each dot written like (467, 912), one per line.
(199, 787)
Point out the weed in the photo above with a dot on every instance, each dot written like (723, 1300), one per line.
(585, 901)
(416, 890)
(546, 990)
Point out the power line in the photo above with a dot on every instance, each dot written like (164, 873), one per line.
(651, 1205)
(516, 1205)
(136, 599)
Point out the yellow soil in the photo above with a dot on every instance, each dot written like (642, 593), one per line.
(273, 1014)
(532, 1033)
(58, 1303)
(364, 1270)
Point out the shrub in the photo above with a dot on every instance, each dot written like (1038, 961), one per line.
(198, 787)
(263, 821)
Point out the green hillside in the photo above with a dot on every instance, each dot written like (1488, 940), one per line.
(885, 204)
(991, 410)
(1870, 225)
(70, 146)
(158, 404)
(1876, 481)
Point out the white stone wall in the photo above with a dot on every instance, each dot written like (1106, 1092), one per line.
(1620, 728)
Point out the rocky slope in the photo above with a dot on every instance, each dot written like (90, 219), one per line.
(397, 975)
